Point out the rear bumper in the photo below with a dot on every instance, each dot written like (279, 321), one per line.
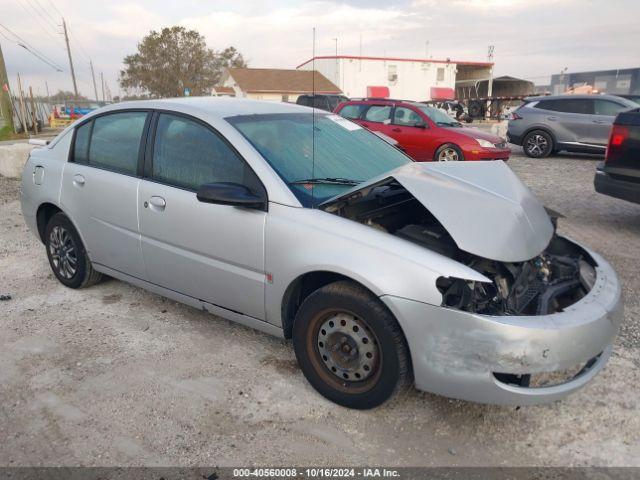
(457, 354)
(615, 187)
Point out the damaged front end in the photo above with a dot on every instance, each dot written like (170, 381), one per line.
(479, 215)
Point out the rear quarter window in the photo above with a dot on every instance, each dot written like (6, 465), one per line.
(352, 111)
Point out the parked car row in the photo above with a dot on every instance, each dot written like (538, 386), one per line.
(424, 132)
(305, 225)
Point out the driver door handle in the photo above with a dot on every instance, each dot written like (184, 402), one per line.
(78, 180)
(396, 129)
(552, 118)
(599, 122)
(157, 204)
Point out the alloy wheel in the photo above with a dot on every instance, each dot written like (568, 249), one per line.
(63, 252)
(537, 145)
(448, 155)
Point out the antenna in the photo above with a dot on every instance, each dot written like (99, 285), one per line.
(313, 117)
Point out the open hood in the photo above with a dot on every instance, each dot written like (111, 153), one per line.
(483, 206)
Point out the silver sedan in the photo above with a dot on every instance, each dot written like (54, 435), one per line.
(302, 224)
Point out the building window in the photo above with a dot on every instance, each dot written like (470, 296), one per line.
(285, 98)
(392, 74)
(440, 74)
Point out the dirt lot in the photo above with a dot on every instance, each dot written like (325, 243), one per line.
(114, 375)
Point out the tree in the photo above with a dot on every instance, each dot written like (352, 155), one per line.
(67, 97)
(174, 59)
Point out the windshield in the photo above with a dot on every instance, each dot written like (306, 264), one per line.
(438, 117)
(345, 153)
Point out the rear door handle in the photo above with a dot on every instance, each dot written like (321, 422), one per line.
(156, 203)
(599, 122)
(78, 180)
(396, 130)
(552, 118)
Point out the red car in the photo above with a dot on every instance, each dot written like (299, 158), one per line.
(425, 133)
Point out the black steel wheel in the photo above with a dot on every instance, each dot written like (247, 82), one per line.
(350, 347)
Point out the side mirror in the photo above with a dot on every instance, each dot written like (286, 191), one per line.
(386, 122)
(225, 193)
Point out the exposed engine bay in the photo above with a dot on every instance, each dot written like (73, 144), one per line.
(556, 278)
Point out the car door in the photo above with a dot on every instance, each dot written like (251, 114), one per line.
(100, 188)
(604, 113)
(211, 252)
(378, 119)
(410, 130)
(568, 118)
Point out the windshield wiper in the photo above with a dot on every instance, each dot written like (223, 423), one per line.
(449, 124)
(327, 181)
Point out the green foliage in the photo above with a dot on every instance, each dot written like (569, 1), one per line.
(169, 61)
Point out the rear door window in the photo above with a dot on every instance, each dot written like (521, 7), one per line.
(567, 105)
(115, 141)
(378, 113)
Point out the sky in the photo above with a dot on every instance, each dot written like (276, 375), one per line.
(532, 38)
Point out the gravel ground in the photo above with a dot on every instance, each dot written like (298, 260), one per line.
(114, 375)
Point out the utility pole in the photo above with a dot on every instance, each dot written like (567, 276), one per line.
(337, 80)
(5, 95)
(23, 110)
(102, 81)
(93, 76)
(73, 72)
(490, 83)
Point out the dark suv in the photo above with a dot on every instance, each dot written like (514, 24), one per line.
(575, 123)
(322, 101)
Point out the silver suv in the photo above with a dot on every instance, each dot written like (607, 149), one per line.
(575, 123)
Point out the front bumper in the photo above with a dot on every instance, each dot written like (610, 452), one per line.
(487, 154)
(615, 187)
(456, 354)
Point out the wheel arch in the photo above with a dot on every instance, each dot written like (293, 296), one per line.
(303, 286)
(43, 215)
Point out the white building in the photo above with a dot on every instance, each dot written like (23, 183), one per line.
(405, 78)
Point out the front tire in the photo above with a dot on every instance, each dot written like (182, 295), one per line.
(537, 144)
(350, 347)
(67, 256)
(448, 153)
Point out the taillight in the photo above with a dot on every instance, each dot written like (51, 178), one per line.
(617, 138)
(514, 116)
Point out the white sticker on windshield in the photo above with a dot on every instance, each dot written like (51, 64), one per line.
(344, 123)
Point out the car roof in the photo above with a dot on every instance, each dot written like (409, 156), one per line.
(219, 107)
(577, 97)
(368, 101)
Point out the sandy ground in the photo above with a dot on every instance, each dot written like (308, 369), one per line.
(114, 375)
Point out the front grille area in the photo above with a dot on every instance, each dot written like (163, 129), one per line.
(546, 379)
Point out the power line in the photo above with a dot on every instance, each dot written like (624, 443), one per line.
(51, 17)
(18, 40)
(38, 17)
(44, 26)
(56, 8)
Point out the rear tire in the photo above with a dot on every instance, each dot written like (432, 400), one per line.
(66, 253)
(350, 347)
(537, 144)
